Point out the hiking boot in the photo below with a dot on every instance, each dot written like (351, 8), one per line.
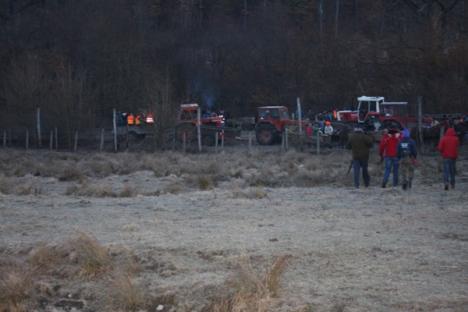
(383, 185)
(446, 187)
(404, 186)
(452, 185)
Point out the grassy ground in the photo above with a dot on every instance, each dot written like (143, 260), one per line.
(226, 232)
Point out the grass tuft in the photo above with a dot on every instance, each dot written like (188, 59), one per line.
(93, 258)
(127, 191)
(125, 295)
(253, 293)
(15, 289)
(205, 182)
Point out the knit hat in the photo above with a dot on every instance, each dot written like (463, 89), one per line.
(406, 133)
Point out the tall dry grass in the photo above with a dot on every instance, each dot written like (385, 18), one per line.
(15, 289)
(124, 295)
(196, 171)
(93, 258)
(252, 291)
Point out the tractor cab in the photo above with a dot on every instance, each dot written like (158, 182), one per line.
(368, 106)
(188, 112)
(267, 113)
(376, 107)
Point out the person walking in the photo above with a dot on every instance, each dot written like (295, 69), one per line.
(407, 154)
(360, 145)
(448, 148)
(388, 150)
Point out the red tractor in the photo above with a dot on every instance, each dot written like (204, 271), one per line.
(271, 122)
(375, 113)
(187, 125)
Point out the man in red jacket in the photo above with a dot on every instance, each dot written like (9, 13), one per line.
(448, 148)
(388, 150)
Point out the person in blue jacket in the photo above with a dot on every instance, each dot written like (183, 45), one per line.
(407, 154)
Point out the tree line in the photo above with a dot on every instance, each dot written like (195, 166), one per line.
(79, 59)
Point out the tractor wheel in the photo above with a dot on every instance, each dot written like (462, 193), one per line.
(265, 134)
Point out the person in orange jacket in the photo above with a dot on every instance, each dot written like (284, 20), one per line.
(448, 148)
(130, 119)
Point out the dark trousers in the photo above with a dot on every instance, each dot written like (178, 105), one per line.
(449, 171)
(357, 166)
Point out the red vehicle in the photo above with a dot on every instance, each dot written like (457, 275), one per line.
(187, 124)
(380, 114)
(271, 121)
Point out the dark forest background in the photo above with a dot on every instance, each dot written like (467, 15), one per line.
(78, 59)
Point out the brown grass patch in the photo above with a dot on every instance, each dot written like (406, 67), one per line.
(125, 295)
(205, 182)
(91, 190)
(15, 290)
(93, 258)
(253, 293)
(44, 257)
(128, 191)
(5, 185)
(251, 193)
(71, 174)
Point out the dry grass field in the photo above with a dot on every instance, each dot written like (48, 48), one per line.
(223, 232)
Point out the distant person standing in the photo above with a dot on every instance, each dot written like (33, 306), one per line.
(328, 132)
(360, 145)
(388, 150)
(448, 148)
(407, 158)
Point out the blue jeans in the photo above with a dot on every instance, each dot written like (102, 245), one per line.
(391, 164)
(449, 171)
(357, 165)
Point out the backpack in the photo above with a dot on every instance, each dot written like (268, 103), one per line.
(405, 149)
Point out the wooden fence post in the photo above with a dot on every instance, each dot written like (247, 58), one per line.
(174, 138)
(222, 141)
(101, 143)
(114, 124)
(250, 142)
(216, 141)
(184, 141)
(38, 127)
(27, 139)
(127, 138)
(199, 129)
(56, 138)
(51, 140)
(318, 142)
(299, 115)
(75, 145)
(421, 139)
(283, 141)
(4, 138)
(286, 140)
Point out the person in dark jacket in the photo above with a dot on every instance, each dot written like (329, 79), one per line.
(448, 148)
(360, 145)
(407, 154)
(388, 150)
